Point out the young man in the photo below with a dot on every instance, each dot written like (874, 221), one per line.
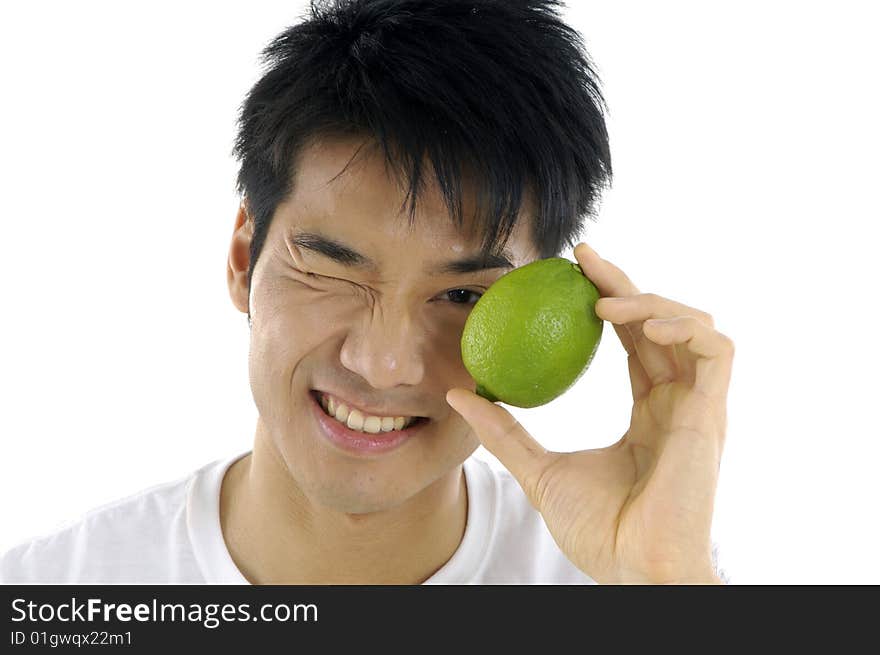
(397, 158)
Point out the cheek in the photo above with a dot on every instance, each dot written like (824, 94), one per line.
(444, 349)
(284, 328)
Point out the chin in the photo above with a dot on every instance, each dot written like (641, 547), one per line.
(364, 492)
(355, 486)
(352, 483)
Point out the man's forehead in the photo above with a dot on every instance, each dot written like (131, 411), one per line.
(342, 173)
(344, 183)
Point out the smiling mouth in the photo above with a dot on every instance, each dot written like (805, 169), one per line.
(388, 424)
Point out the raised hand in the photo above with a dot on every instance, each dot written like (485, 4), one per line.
(640, 510)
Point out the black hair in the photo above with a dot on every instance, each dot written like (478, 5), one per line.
(498, 92)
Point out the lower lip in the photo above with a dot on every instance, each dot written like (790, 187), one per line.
(361, 443)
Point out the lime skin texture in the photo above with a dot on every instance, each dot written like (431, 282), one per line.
(533, 333)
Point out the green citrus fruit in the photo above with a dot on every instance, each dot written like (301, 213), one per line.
(533, 333)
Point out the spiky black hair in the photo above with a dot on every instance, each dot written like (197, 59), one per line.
(498, 92)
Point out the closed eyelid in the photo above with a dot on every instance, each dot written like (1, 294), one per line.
(475, 288)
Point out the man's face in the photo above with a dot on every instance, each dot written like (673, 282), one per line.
(384, 337)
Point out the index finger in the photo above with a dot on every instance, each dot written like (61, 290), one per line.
(608, 278)
(610, 281)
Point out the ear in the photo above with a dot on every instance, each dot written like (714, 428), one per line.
(239, 259)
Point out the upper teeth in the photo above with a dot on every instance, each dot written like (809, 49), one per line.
(357, 420)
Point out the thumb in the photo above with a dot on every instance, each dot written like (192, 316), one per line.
(503, 436)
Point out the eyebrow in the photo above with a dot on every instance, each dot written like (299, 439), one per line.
(347, 256)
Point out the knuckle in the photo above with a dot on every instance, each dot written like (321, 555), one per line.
(708, 319)
(728, 344)
(510, 429)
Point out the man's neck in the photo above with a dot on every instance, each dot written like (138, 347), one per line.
(277, 535)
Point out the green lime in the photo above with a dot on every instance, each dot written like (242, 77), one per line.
(533, 333)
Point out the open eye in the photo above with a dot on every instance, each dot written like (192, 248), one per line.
(461, 296)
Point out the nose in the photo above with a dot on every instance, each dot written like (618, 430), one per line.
(386, 349)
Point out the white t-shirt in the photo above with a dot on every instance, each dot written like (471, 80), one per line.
(170, 533)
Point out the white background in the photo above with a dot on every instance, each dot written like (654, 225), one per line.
(744, 140)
